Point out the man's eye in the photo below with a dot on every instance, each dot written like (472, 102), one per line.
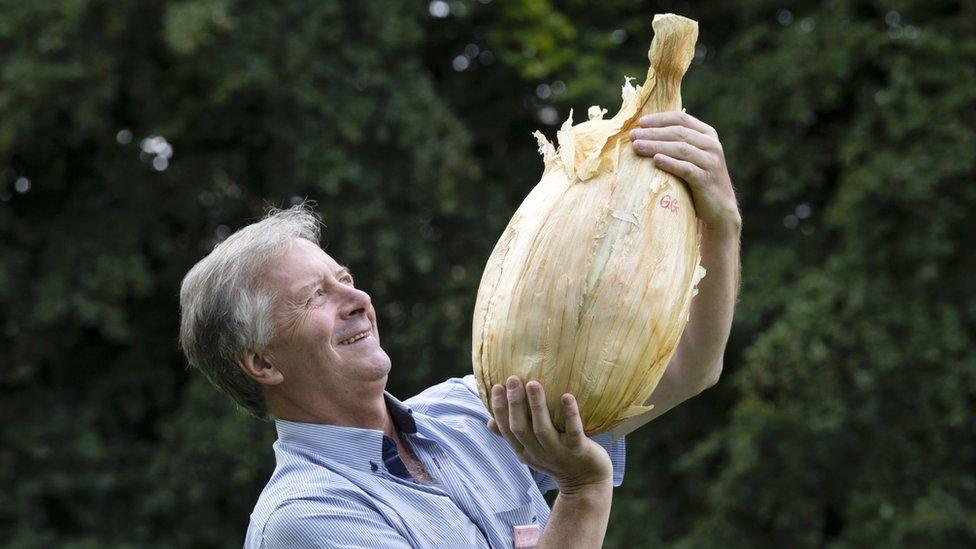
(348, 280)
(319, 292)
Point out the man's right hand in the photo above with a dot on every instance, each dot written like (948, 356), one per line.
(575, 462)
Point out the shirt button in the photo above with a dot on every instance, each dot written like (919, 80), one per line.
(373, 466)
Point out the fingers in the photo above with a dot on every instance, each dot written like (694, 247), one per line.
(685, 170)
(519, 421)
(522, 418)
(541, 422)
(681, 145)
(676, 118)
(677, 133)
(574, 423)
(678, 150)
(499, 408)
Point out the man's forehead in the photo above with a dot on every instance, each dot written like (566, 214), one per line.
(314, 255)
(303, 263)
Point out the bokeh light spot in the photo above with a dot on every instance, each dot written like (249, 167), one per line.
(544, 91)
(460, 63)
(439, 9)
(803, 210)
(22, 185)
(548, 115)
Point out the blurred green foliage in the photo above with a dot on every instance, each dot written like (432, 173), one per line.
(134, 135)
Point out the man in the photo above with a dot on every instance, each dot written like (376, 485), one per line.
(279, 325)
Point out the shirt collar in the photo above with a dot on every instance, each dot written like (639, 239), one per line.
(360, 449)
(401, 413)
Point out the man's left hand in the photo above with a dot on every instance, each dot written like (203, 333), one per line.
(690, 149)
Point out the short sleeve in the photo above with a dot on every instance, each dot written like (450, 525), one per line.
(617, 449)
(329, 523)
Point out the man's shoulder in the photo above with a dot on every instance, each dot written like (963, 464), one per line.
(457, 395)
(296, 478)
(290, 503)
(445, 388)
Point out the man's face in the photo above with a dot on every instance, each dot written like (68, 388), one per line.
(326, 336)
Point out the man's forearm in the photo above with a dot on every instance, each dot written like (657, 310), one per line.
(578, 519)
(694, 154)
(702, 345)
(697, 362)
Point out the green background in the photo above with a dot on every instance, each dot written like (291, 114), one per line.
(134, 135)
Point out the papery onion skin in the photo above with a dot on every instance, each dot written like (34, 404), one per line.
(589, 288)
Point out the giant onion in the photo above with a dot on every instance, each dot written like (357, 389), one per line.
(589, 287)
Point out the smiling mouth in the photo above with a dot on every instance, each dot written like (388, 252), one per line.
(358, 337)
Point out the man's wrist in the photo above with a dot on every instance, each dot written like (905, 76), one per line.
(589, 491)
(579, 516)
(729, 226)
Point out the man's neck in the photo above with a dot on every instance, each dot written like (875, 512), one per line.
(363, 407)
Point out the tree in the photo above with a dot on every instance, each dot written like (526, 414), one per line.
(134, 136)
(147, 132)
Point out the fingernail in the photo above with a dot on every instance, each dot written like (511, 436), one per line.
(512, 383)
(633, 135)
(645, 120)
(533, 389)
(496, 390)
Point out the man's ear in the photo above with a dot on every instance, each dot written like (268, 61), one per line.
(260, 369)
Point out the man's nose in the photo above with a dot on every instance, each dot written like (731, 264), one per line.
(356, 303)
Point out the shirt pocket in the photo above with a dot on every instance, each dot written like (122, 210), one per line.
(523, 506)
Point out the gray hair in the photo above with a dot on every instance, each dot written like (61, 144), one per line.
(224, 312)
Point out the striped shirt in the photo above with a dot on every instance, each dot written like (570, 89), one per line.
(347, 487)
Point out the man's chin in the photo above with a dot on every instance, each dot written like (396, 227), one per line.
(378, 367)
(374, 364)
